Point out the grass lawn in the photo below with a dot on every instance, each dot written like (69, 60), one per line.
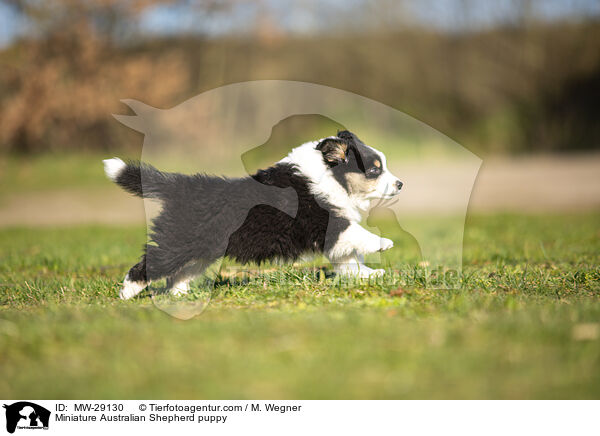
(524, 322)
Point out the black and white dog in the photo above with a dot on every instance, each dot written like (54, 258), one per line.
(205, 217)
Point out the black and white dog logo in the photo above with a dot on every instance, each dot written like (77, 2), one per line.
(26, 415)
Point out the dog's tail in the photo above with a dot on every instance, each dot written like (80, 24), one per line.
(138, 178)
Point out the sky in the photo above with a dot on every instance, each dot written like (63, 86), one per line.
(313, 17)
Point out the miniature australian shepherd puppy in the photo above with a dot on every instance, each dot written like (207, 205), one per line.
(309, 202)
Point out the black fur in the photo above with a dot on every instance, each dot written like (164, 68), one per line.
(205, 217)
(358, 157)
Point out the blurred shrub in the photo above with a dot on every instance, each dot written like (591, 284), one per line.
(60, 86)
(504, 90)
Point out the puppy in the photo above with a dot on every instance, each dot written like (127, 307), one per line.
(254, 219)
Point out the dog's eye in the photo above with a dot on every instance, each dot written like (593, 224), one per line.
(373, 172)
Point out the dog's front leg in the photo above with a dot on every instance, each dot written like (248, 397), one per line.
(353, 266)
(347, 254)
(356, 240)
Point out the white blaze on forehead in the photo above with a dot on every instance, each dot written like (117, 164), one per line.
(322, 184)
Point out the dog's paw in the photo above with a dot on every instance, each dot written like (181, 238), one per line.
(127, 293)
(385, 244)
(377, 273)
(131, 289)
(360, 271)
(180, 289)
(375, 244)
(367, 273)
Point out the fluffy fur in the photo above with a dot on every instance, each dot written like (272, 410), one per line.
(309, 202)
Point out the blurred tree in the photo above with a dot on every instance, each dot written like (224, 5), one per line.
(496, 78)
(67, 77)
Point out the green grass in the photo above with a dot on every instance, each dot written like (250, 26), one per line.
(523, 322)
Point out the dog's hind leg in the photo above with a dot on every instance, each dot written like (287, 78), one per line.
(135, 280)
(179, 283)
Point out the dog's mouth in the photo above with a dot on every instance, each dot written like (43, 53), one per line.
(387, 201)
(390, 195)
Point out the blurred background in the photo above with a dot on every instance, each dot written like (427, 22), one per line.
(515, 81)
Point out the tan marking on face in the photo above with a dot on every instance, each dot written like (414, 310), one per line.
(359, 184)
(336, 151)
(340, 151)
(377, 163)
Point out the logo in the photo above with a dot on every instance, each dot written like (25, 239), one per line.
(26, 415)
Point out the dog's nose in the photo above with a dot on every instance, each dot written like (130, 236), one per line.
(399, 185)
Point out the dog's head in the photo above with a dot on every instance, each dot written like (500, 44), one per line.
(360, 169)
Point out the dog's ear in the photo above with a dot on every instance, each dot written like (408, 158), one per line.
(334, 150)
